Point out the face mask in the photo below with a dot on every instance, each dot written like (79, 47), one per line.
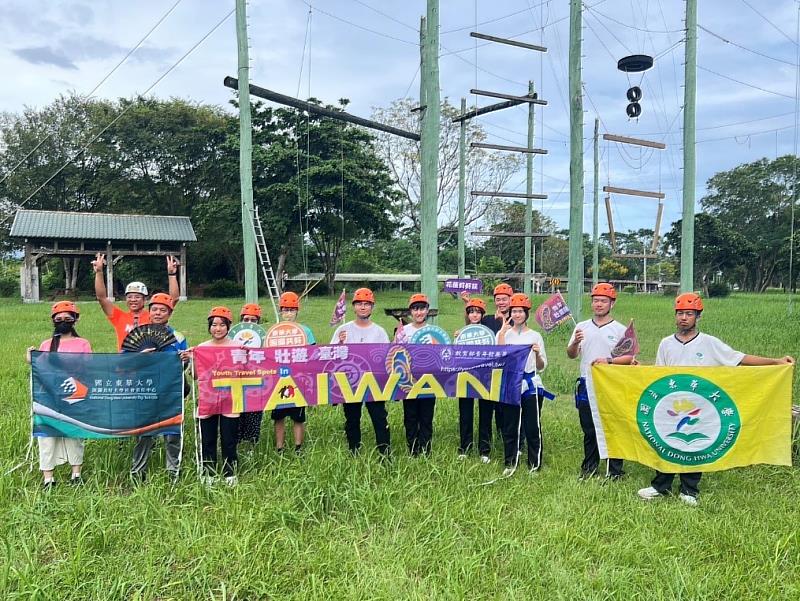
(63, 327)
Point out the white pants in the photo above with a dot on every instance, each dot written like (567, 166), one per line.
(57, 450)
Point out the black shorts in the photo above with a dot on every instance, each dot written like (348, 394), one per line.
(298, 414)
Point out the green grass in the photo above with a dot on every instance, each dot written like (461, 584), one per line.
(332, 527)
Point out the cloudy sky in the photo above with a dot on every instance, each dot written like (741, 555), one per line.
(367, 51)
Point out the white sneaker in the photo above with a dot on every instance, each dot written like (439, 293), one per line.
(649, 493)
(208, 480)
(485, 459)
(688, 499)
(462, 457)
(231, 480)
(509, 471)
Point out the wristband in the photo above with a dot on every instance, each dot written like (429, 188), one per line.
(609, 360)
(172, 274)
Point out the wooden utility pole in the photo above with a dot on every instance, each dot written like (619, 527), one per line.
(689, 163)
(462, 189)
(575, 273)
(595, 225)
(526, 287)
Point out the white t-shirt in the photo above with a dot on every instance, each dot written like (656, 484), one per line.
(597, 341)
(356, 334)
(702, 351)
(410, 329)
(529, 337)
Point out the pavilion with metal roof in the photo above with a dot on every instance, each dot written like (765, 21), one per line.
(72, 235)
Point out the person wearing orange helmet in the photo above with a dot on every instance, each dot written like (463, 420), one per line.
(418, 413)
(474, 311)
(250, 421)
(690, 347)
(526, 416)
(224, 427)
(594, 340)
(135, 298)
(289, 306)
(363, 330)
(57, 450)
(160, 307)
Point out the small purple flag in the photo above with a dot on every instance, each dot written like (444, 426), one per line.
(552, 312)
(340, 310)
(628, 345)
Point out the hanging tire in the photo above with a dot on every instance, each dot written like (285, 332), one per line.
(634, 94)
(634, 109)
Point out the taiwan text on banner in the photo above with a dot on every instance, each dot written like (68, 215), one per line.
(94, 395)
(231, 380)
(693, 419)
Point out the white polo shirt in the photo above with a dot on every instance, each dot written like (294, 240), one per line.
(528, 338)
(356, 334)
(703, 350)
(598, 341)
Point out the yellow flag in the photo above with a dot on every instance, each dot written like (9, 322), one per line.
(694, 419)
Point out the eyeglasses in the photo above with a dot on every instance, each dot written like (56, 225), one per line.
(249, 319)
(67, 320)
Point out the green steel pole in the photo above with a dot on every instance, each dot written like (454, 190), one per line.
(595, 227)
(429, 151)
(575, 275)
(689, 162)
(246, 157)
(526, 287)
(462, 188)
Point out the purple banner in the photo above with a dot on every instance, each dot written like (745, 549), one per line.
(457, 286)
(232, 380)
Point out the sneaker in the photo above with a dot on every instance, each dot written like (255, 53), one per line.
(48, 485)
(688, 499)
(533, 469)
(76, 480)
(231, 480)
(279, 451)
(298, 450)
(509, 471)
(614, 477)
(208, 480)
(649, 493)
(485, 459)
(587, 474)
(462, 457)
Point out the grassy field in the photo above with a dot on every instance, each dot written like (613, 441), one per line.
(328, 526)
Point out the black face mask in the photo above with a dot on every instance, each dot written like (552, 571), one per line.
(63, 327)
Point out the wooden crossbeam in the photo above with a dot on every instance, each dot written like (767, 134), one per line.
(491, 38)
(501, 194)
(632, 192)
(522, 149)
(634, 256)
(510, 234)
(487, 109)
(529, 99)
(634, 141)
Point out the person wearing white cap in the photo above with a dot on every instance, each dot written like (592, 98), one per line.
(135, 297)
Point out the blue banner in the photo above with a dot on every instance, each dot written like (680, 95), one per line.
(94, 395)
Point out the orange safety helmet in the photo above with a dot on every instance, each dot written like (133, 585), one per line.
(478, 303)
(503, 289)
(251, 309)
(289, 300)
(64, 306)
(159, 298)
(363, 295)
(604, 289)
(520, 300)
(223, 312)
(688, 300)
(417, 299)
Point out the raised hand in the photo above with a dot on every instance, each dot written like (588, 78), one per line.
(99, 262)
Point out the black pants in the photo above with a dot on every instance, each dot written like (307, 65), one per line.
(352, 425)
(466, 412)
(524, 420)
(250, 426)
(690, 483)
(418, 421)
(228, 428)
(591, 454)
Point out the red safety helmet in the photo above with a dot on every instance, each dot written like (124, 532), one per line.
(604, 289)
(251, 309)
(64, 306)
(688, 300)
(363, 295)
(478, 303)
(503, 289)
(520, 300)
(418, 299)
(223, 312)
(160, 298)
(289, 300)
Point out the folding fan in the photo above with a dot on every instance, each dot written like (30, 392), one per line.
(148, 336)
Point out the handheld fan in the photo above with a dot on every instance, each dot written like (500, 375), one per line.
(148, 336)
